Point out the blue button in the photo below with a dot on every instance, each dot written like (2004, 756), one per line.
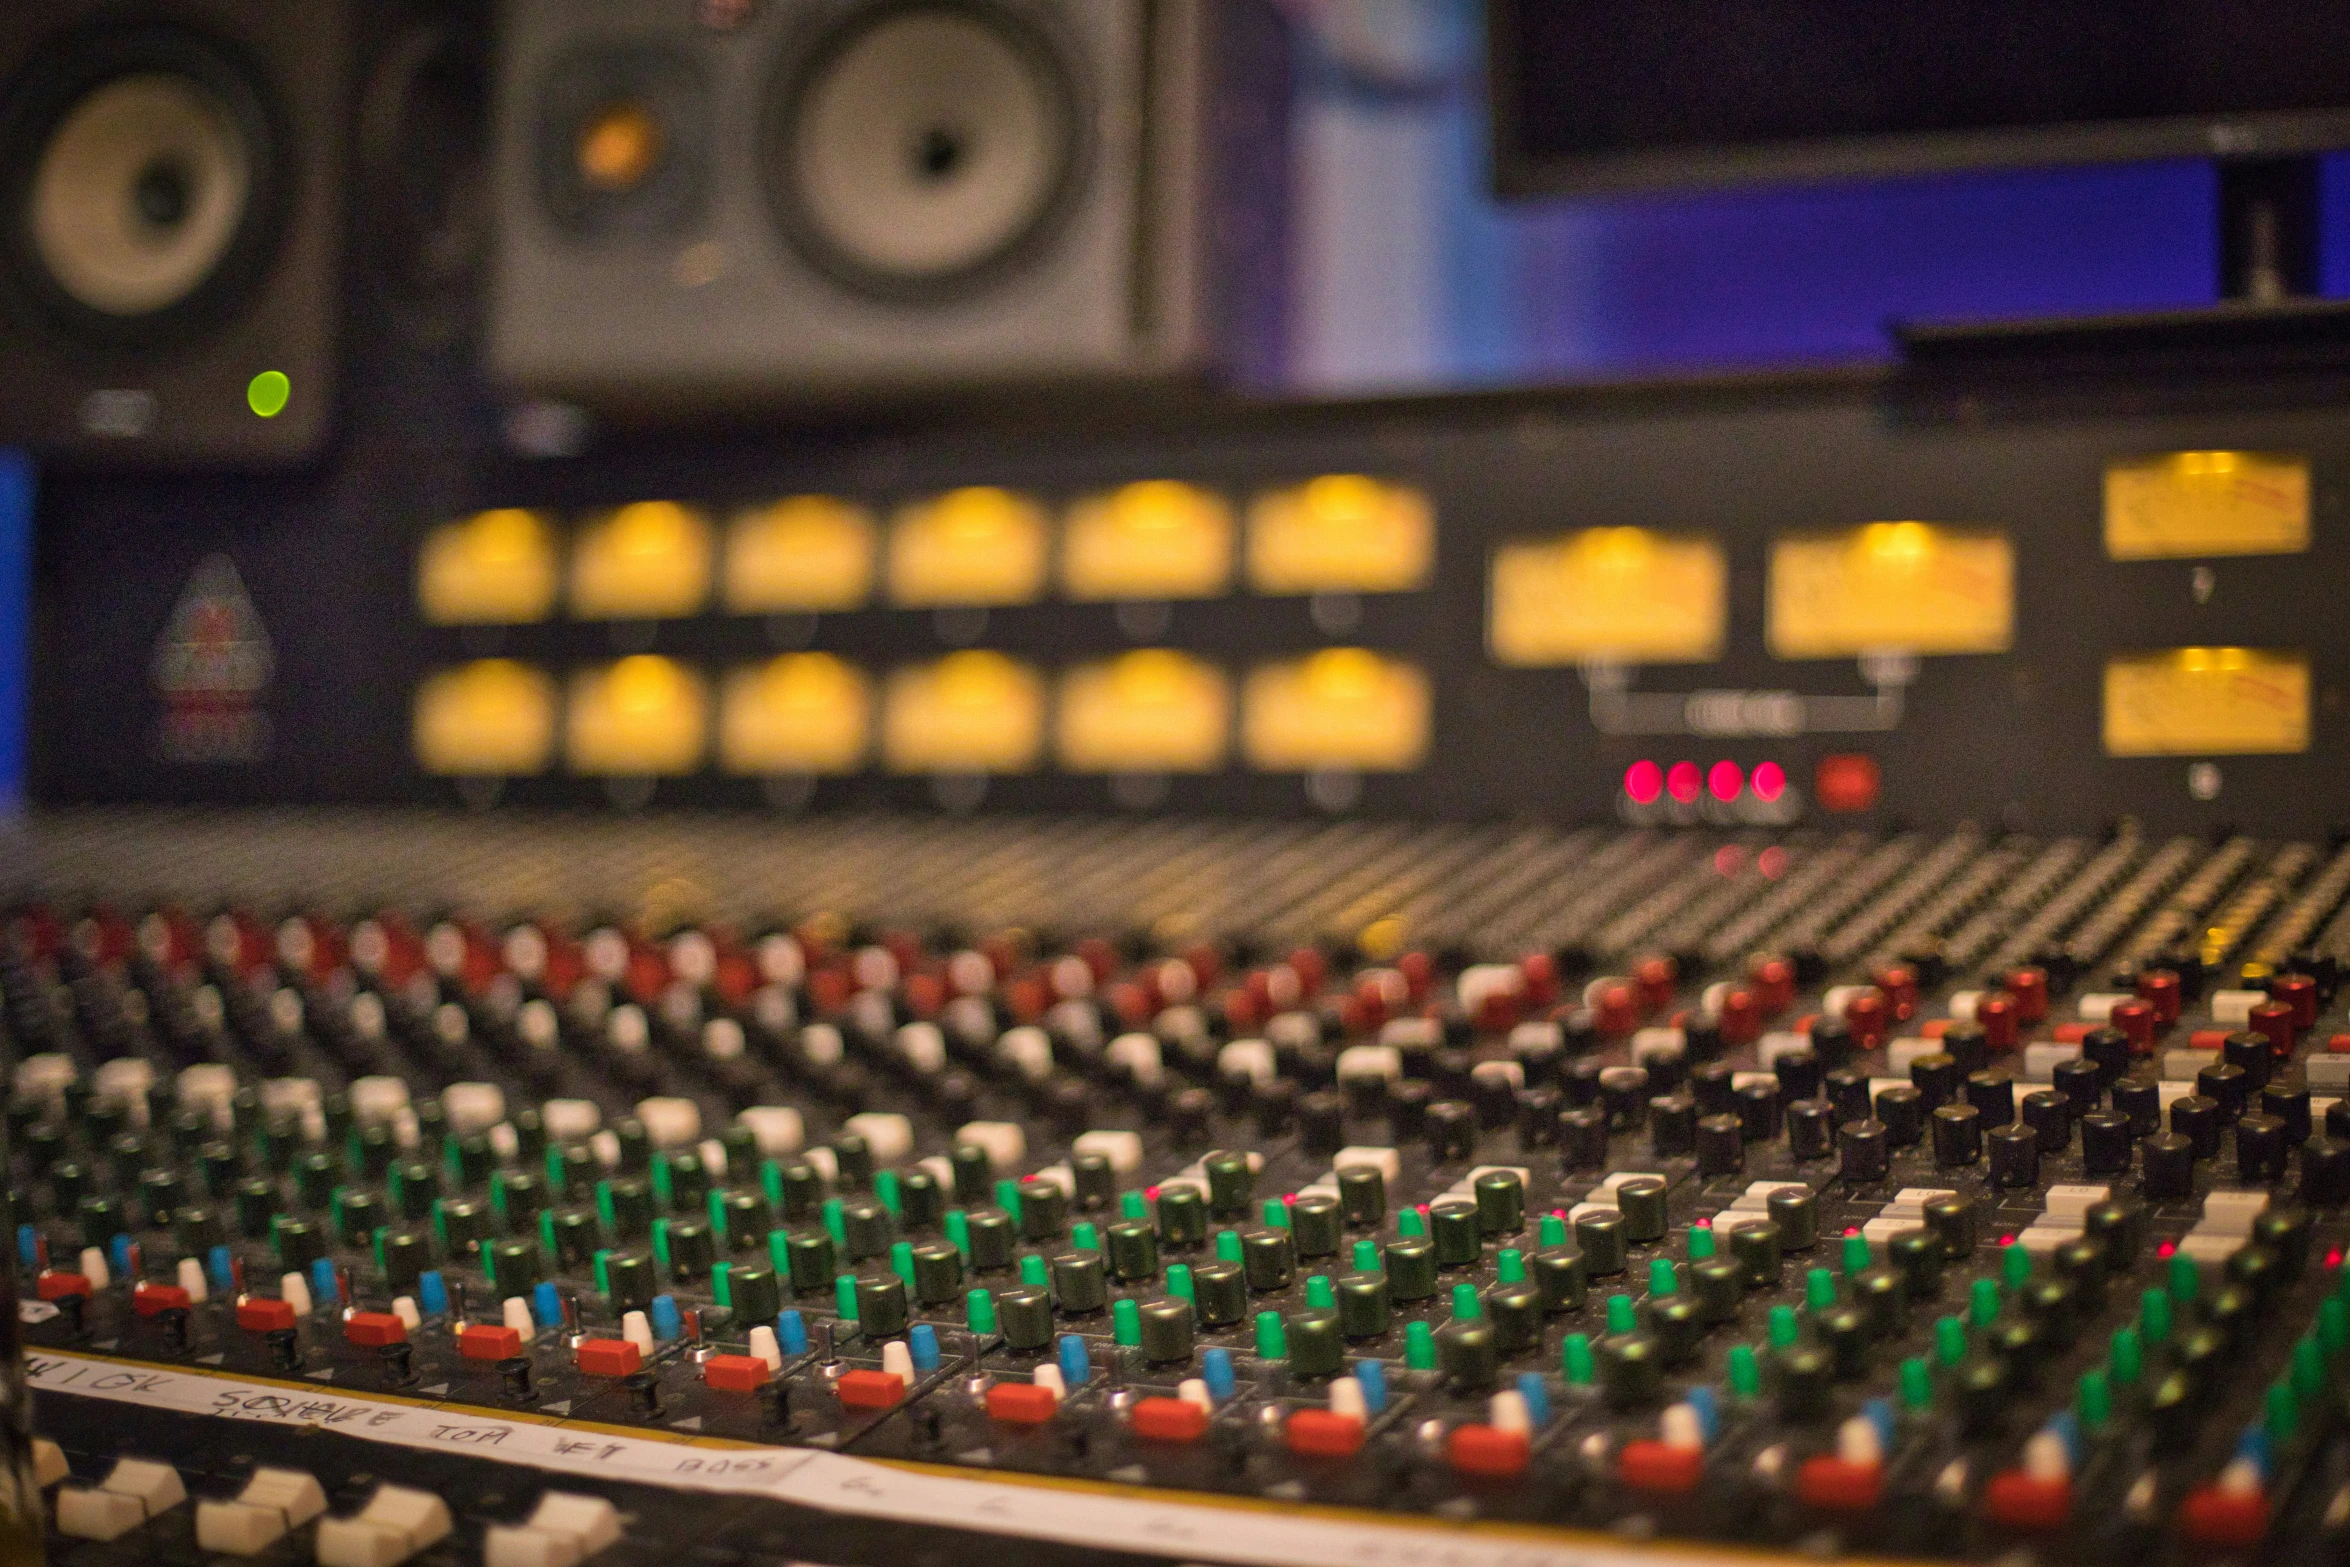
(791, 1332)
(118, 1254)
(668, 1322)
(322, 1283)
(432, 1294)
(1372, 1378)
(1536, 1393)
(28, 1248)
(922, 1344)
(1215, 1369)
(1076, 1365)
(546, 1306)
(221, 1269)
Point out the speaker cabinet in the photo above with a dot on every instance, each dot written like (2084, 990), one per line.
(813, 201)
(169, 175)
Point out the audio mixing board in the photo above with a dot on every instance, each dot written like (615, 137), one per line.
(1948, 1195)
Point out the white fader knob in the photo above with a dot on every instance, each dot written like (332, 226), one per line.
(563, 1529)
(396, 1523)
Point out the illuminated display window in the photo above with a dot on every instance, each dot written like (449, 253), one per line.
(1342, 533)
(1891, 587)
(1152, 710)
(1623, 594)
(647, 561)
(490, 718)
(1339, 708)
(2206, 503)
(968, 547)
(973, 712)
(495, 568)
(808, 554)
(800, 713)
(641, 717)
(1154, 540)
(2207, 701)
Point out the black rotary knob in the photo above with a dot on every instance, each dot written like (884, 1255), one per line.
(1993, 1097)
(2262, 1145)
(1935, 1076)
(2050, 1116)
(1958, 1136)
(1758, 1111)
(2105, 1142)
(1902, 1110)
(1672, 1125)
(2168, 1167)
(1721, 1146)
(1866, 1151)
(2015, 1156)
(1811, 1128)
(2141, 1100)
(2197, 1118)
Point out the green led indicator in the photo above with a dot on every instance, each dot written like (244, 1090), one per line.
(268, 393)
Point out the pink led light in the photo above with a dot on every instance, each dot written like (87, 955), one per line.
(1726, 780)
(2166, 1250)
(1643, 782)
(1769, 781)
(1682, 781)
(1772, 862)
(1729, 859)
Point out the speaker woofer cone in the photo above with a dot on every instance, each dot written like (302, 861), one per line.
(924, 148)
(142, 185)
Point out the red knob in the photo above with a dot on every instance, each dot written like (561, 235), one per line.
(2136, 1019)
(1774, 984)
(2159, 989)
(2029, 986)
(1741, 1021)
(2275, 1019)
(1899, 982)
(1995, 1013)
(1868, 1014)
(1616, 1012)
(2299, 992)
(1655, 977)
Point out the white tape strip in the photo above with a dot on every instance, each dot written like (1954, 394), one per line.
(852, 1485)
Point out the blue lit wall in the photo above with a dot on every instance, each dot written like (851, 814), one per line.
(1411, 276)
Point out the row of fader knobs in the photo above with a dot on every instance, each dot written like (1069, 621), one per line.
(394, 1524)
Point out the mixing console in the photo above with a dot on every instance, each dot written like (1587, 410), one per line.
(1948, 1195)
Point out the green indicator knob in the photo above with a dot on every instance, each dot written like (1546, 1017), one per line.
(1033, 1272)
(2154, 1316)
(1554, 1230)
(1419, 1347)
(1007, 1197)
(1856, 1255)
(1125, 1322)
(1949, 1340)
(885, 1187)
(1411, 1222)
(2309, 1369)
(1917, 1383)
(834, 1222)
(958, 1227)
(1320, 1295)
(1819, 1289)
(1620, 1318)
(2015, 1266)
(2333, 1325)
(1132, 1206)
(1745, 1372)
(1663, 1282)
(2095, 1401)
(1465, 1305)
(1084, 1237)
(1510, 1266)
(1272, 1342)
(901, 1260)
(770, 1176)
(1179, 1281)
(2127, 1362)
(844, 1295)
(1276, 1213)
(1575, 1361)
(979, 1311)
(1983, 1303)
(1701, 1243)
(2186, 1279)
(1366, 1256)
(2280, 1414)
(1784, 1329)
(1228, 1247)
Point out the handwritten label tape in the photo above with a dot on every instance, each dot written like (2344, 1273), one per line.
(852, 1485)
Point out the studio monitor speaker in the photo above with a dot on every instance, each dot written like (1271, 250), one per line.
(747, 201)
(169, 218)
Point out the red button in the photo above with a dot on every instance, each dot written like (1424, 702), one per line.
(1867, 1014)
(2072, 1033)
(1774, 984)
(1935, 1028)
(1846, 783)
(871, 1389)
(2338, 1045)
(2207, 1038)
(1655, 978)
(56, 1286)
(489, 1341)
(1741, 1021)
(1899, 982)
(1318, 1433)
(257, 1314)
(1169, 1420)
(1650, 1465)
(2235, 1520)
(374, 1329)
(1617, 1011)
(2018, 1501)
(735, 1373)
(1021, 1403)
(151, 1299)
(1488, 1450)
(1837, 1486)
(609, 1357)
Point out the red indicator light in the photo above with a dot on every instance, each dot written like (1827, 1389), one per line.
(1726, 781)
(1772, 862)
(1643, 782)
(1846, 783)
(1729, 859)
(1682, 781)
(1769, 782)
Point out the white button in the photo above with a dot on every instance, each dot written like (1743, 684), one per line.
(2235, 1006)
(824, 1162)
(1122, 1150)
(889, 1137)
(374, 1100)
(1510, 1072)
(46, 1076)
(2041, 1061)
(49, 1464)
(125, 1081)
(1249, 1058)
(1902, 1052)
(1005, 1144)
(2098, 1005)
(1357, 1062)
(1529, 1039)
(87, 1513)
(570, 1120)
(670, 1122)
(1028, 1051)
(1140, 1055)
(210, 1086)
(473, 1107)
(1658, 1044)
(777, 1129)
(1386, 1161)
(509, 1545)
(923, 1047)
